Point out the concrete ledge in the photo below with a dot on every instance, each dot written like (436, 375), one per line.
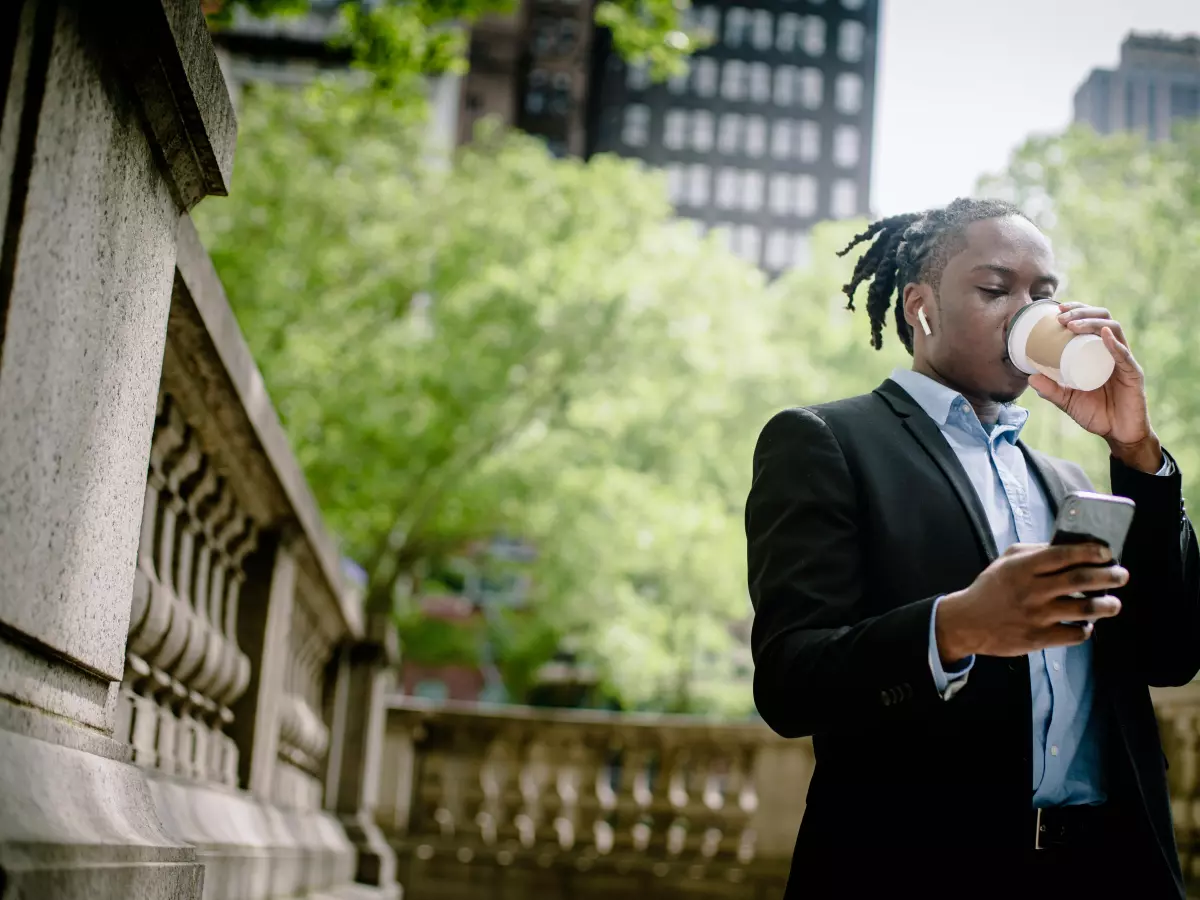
(165, 49)
(253, 850)
(78, 826)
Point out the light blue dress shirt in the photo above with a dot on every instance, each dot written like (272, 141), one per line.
(1066, 727)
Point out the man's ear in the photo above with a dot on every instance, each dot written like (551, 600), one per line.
(918, 296)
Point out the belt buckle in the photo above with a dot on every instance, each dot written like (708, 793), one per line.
(1037, 834)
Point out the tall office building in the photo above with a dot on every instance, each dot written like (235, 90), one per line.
(771, 130)
(1156, 83)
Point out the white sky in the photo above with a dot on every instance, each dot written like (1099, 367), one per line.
(961, 83)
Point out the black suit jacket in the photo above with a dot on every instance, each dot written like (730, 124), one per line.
(859, 516)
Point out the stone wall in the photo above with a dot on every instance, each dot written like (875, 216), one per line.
(189, 696)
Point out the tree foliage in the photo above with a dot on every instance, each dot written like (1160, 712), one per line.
(399, 42)
(1124, 215)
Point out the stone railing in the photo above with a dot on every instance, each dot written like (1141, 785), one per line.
(240, 622)
(551, 802)
(1178, 711)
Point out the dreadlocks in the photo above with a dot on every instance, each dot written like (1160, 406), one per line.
(910, 248)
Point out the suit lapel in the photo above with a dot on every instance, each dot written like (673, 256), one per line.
(931, 439)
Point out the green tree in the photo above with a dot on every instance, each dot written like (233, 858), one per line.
(1124, 215)
(515, 344)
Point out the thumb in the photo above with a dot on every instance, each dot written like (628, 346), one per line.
(1048, 389)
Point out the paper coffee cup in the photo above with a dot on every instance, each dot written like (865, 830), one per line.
(1038, 342)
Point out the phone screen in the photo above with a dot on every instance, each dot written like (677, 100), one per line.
(1094, 518)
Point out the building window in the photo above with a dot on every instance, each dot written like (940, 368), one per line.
(674, 173)
(677, 84)
(637, 77)
(812, 37)
(843, 201)
(1152, 111)
(752, 190)
(845, 146)
(785, 82)
(852, 4)
(779, 194)
(786, 32)
(801, 250)
(756, 135)
(805, 197)
(431, 689)
(729, 133)
(635, 131)
(781, 138)
(749, 243)
(1185, 101)
(760, 82)
(850, 40)
(727, 188)
(733, 74)
(705, 78)
(847, 93)
(560, 95)
(708, 19)
(702, 130)
(536, 92)
(761, 35)
(806, 144)
(697, 193)
(736, 21)
(812, 88)
(779, 250)
(674, 129)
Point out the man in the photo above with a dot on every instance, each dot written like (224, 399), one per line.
(909, 611)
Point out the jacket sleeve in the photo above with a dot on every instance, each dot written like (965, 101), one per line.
(1160, 606)
(820, 664)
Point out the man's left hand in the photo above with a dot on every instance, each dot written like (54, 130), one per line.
(1117, 411)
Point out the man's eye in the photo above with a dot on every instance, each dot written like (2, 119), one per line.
(994, 292)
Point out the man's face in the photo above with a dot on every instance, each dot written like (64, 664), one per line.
(1006, 264)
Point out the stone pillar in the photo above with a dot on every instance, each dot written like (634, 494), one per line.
(115, 121)
(365, 674)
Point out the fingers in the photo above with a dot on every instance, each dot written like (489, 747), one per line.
(1120, 352)
(1090, 320)
(1045, 560)
(1071, 609)
(1081, 580)
(1064, 635)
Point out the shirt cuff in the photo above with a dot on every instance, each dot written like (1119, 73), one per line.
(948, 683)
(1168, 466)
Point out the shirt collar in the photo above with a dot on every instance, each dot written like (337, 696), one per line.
(939, 402)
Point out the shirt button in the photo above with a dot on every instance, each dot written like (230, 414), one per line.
(1054, 750)
(1056, 665)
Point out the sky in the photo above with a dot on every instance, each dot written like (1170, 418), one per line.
(962, 83)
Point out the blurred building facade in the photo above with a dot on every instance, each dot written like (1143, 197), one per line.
(771, 130)
(1156, 84)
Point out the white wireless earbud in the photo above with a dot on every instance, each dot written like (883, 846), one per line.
(924, 321)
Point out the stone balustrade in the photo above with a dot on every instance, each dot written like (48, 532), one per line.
(1178, 712)
(579, 804)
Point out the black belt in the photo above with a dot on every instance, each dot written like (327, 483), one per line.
(1060, 827)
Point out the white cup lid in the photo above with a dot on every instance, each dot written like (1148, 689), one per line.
(1086, 363)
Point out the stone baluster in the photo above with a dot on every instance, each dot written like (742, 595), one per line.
(199, 493)
(606, 783)
(742, 781)
(1182, 724)
(494, 776)
(163, 643)
(532, 780)
(636, 781)
(568, 781)
(239, 539)
(676, 769)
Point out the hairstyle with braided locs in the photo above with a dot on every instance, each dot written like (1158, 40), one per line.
(911, 248)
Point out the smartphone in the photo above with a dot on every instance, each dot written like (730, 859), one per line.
(1098, 518)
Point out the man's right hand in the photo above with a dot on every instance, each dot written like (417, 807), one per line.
(1019, 603)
